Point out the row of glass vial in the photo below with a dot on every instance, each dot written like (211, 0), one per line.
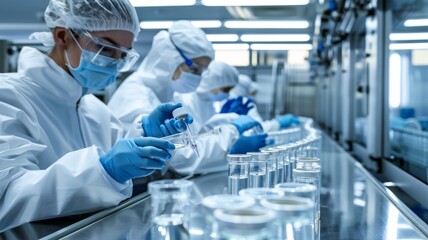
(283, 212)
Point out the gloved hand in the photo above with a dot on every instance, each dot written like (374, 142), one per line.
(287, 120)
(236, 105)
(244, 123)
(160, 122)
(249, 144)
(136, 157)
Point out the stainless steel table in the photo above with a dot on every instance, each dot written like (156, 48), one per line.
(354, 205)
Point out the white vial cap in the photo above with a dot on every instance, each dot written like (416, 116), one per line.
(178, 112)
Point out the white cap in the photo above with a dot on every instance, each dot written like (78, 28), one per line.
(179, 112)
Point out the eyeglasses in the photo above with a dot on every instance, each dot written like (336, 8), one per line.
(123, 57)
(194, 68)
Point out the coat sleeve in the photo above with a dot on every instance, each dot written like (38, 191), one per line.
(212, 151)
(72, 184)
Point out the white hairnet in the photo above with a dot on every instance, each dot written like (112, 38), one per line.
(245, 87)
(93, 15)
(191, 40)
(218, 75)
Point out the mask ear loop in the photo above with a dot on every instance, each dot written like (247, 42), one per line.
(188, 61)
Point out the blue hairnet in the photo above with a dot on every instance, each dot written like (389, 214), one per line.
(93, 15)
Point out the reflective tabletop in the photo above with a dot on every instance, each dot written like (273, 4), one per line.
(354, 205)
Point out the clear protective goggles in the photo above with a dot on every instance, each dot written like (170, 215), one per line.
(191, 65)
(123, 58)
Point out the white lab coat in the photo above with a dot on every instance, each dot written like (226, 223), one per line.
(51, 140)
(151, 85)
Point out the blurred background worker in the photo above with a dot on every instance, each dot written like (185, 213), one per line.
(175, 64)
(62, 151)
(241, 101)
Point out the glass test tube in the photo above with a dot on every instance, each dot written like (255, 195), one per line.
(258, 169)
(170, 209)
(308, 171)
(283, 163)
(180, 114)
(237, 172)
(272, 167)
(294, 217)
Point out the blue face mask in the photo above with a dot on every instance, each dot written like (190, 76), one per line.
(92, 76)
(219, 96)
(186, 83)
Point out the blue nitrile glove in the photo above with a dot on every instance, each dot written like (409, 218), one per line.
(244, 123)
(236, 105)
(287, 120)
(136, 157)
(160, 122)
(249, 144)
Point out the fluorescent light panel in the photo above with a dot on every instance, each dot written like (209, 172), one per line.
(408, 36)
(280, 47)
(162, 3)
(416, 22)
(254, 2)
(408, 46)
(222, 37)
(275, 37)
(267, 24)
(167, 24)
(231, 47)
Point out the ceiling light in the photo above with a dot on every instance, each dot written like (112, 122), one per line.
(162, 3)
(206, 24)
(167, 24)
(267, 24)
(231, 47)
(416, 22)
(254, 2)
(222, 37)
(408, 36)
(408, 46)
(281, 47)
(275, 37)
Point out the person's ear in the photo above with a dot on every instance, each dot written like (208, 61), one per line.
(60, 37)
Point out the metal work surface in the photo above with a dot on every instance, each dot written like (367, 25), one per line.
(354, 206)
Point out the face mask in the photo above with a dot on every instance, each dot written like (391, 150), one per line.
(219, 96)
(92, 76)
(186, 83)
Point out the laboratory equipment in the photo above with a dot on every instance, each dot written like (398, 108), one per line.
(283, 164)
(272, 167)
(181, 140)
(308, 171)
(302, 190)
(258, 169)
(221, 201)
(245, 224)
(260, 193)
(294, 217)
(180, 114)
(238, 165)
(170, 209)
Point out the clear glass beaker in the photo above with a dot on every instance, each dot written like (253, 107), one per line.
(238, 172)
(258, 169)
(294, 217)
(305, 191)
(260, 193)
(170, 201)
(245, 224)
(283, 164)
(285, 152)
(221, 201)
(272, 167)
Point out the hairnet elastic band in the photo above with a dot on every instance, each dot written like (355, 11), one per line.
(188, 61)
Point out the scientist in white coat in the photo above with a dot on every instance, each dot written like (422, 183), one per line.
(62, 151)
(175, 63)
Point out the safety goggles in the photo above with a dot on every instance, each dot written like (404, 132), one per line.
(124, 58)
(191, 65)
